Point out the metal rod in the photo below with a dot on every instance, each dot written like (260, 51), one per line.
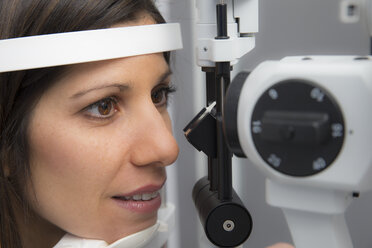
(221, 10)
(210, 84)
(218, 79)
(211, 97)
(224, 156)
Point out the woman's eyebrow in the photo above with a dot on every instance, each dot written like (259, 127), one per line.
(164, 76)
(120, 86)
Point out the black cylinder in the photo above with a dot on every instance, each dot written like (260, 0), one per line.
(222, 21)
(230, 114)
(226, 223)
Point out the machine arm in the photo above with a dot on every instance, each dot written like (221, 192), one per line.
(223, 37)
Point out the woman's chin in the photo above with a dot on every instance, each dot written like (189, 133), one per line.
(114, 236)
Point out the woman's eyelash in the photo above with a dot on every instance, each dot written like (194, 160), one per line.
(170, 89)
(165, 90)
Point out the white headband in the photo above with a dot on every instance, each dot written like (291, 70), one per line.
(86, 46)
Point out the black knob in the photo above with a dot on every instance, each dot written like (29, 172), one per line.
(293, 127)
(226, 223)
(297, 128)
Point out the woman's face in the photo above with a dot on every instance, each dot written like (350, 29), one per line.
(100, 139)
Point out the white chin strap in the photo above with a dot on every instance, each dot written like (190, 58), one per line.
(86, 46)
(155, 236)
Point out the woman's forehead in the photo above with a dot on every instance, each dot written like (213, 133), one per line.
(131, 71)
(142, 18)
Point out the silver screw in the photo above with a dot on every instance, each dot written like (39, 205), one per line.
(228, 225)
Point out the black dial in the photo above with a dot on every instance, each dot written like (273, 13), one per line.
(297, 128)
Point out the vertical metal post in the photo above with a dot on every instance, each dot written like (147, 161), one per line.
(224, 156)
(211, 97)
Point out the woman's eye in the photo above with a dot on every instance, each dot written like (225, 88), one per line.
(102, 109)
(160, 95)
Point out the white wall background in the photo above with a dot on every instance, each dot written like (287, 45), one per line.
(287, 27)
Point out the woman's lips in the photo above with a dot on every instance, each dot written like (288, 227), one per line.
(143, 200)
(141, 206)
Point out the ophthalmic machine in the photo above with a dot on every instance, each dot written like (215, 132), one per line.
(302, 121)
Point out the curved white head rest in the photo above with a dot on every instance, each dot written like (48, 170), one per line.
(87, 46)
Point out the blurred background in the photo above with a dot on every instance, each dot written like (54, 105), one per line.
(286, 28)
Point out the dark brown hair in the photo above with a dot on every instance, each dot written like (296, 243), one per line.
(20, 91)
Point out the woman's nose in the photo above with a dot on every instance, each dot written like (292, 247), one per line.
(154, 142)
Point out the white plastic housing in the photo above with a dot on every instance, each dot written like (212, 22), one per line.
(352, 11)
(314, 206)
(209, 50)
(155, 236)
(349, 81)
(86, 46)
(247, 12)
